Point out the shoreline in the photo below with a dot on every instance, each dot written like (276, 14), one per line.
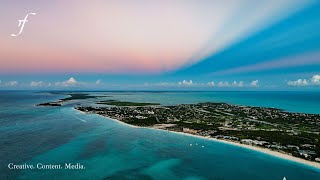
(255, 148)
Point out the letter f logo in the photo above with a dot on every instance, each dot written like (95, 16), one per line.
(22, 23)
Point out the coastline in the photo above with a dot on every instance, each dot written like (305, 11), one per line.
(255, 148)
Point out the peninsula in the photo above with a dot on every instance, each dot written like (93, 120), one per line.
(294, 134)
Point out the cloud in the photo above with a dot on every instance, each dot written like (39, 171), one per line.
(240, 84)
(211, 83)
(254, 83)
(237, 84)
(165, 84)
(233, 84)
(186, 83)
(223, 84)
(299, 82)
(11, 83)
(190, 83)
(8, 83)
(70, 82)
(39, 84)
(314, 80)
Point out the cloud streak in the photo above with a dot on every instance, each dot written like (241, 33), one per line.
(287, 62)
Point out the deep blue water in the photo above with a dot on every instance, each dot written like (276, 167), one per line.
(108, 149)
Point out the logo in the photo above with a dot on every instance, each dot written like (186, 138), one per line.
(22, 23)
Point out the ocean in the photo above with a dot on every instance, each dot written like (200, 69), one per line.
(111, 150)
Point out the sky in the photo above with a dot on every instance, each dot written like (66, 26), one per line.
(160, 45)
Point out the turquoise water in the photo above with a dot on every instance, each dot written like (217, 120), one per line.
(108, 149)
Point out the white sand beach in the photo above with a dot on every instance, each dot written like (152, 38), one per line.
(260, 149)
(255, 148)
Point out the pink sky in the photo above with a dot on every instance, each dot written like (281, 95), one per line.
(123, 36)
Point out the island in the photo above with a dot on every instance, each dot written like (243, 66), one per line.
(295, 134)
(124, 103)
(72, 96)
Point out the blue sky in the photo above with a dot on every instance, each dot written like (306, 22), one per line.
(278, 52)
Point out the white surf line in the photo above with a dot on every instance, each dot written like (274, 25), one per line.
(79, 118)
(75, 116)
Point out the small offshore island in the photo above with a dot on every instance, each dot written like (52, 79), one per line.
(72, 96)
(295, 134)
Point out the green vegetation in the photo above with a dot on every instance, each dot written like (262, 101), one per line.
(80, 96)
(141, 122)
(49, 104)
(282, 138)
(124, 103)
